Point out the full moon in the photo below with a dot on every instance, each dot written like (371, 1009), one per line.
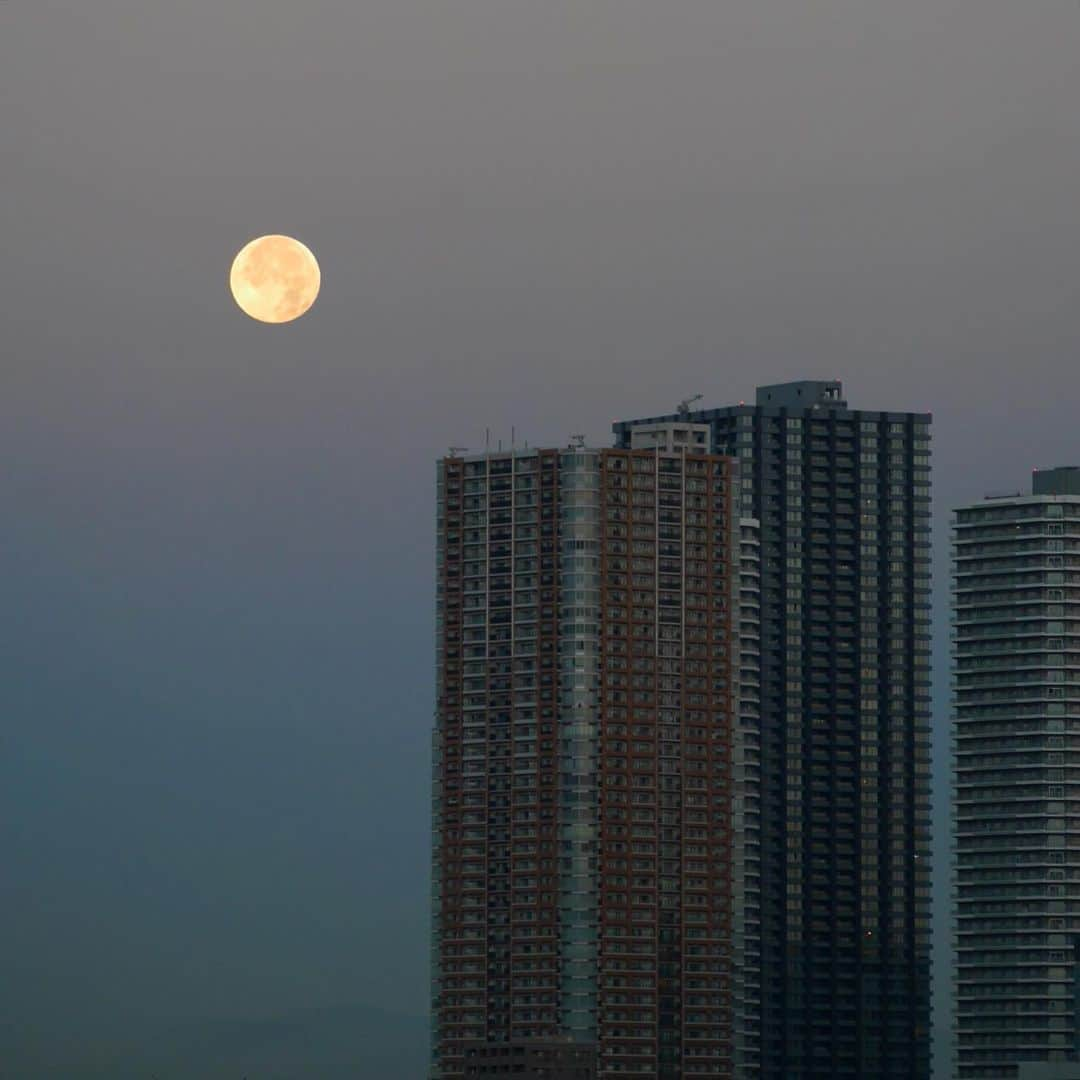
(275, 279)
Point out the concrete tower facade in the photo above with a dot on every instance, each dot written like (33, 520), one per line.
(1016, 778)
(587, 683)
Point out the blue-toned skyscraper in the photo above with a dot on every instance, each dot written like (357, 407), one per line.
(833, 756)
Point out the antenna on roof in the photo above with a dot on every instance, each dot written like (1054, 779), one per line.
(684, 406)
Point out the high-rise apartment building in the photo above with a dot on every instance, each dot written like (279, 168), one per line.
(553, 1059)
(1016, 779)
(582, 861)
(833, 775)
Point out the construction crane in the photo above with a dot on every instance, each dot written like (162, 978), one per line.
(684, 406)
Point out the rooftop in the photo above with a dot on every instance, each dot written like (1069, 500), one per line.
(805, 393)
(1062, 480)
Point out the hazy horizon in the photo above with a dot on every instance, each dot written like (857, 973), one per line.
(218, 535)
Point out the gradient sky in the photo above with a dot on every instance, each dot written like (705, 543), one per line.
(217, 559)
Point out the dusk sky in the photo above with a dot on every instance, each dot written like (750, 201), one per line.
(217, 555)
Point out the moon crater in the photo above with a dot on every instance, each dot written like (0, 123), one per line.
(275, 279)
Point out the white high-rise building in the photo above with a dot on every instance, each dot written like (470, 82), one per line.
(1016, 779)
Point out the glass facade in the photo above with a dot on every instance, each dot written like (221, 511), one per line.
(579, 695)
